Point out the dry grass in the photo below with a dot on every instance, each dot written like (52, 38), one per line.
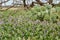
(12, 8)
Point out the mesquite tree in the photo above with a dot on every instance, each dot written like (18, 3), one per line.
(1, 2)
(41, 3)
(38, 2)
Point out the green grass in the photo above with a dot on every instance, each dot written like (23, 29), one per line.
(38, 23)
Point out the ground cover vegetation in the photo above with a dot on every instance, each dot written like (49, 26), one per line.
(38, 23)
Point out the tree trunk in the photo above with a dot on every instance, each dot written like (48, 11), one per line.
(50, 1)
(0, 5)
(32, 4)
(24, 3)
(39, 2)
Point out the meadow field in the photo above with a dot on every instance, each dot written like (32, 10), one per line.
(37, 23)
